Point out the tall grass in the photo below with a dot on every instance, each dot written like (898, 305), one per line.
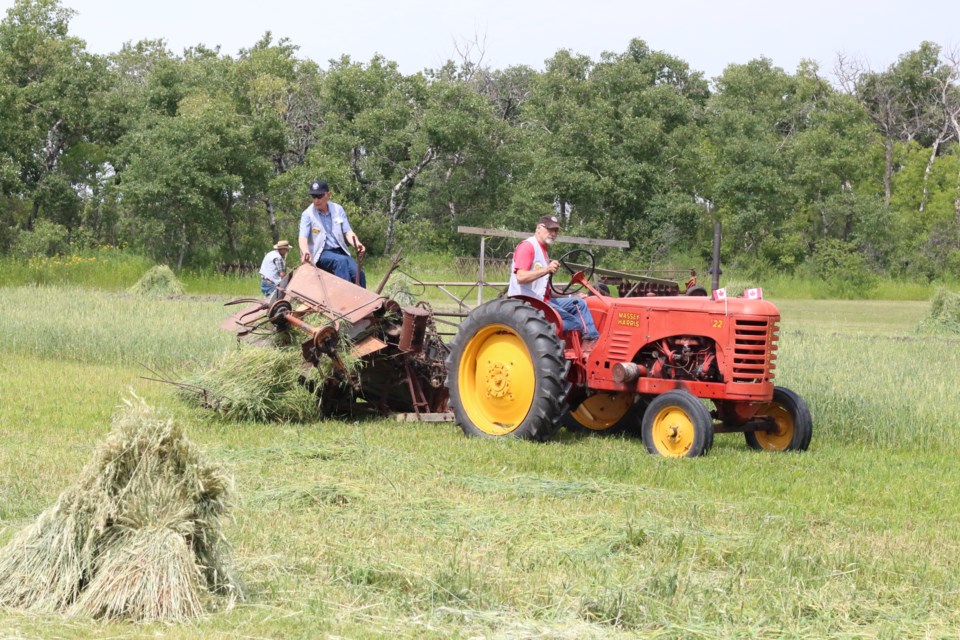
(212, 282)
(869, 376)
(107, 268)
(789, 286)
(99, 327)
(117, 270)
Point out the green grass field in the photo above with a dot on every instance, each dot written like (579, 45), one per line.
(378, 529)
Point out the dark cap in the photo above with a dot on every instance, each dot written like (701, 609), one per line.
(550, 222)
(319, 187)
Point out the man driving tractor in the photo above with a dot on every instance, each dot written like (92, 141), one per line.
(530, 276)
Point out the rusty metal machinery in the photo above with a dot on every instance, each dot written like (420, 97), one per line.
(401, 356)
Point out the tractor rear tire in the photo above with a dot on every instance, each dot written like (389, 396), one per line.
(606, 413)
(506, 372)
(677, 425)
(794, 424)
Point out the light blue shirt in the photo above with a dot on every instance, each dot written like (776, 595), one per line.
(312, 228)
(327, 222)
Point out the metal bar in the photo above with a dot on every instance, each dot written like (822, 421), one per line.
(448, 323)
(464, 284)
(502, 233)
(622, 274)
(424, 417)
(393, 265)
(483, 246)
(715, 270)
(459, 301)
(419, 400)
(298, 323)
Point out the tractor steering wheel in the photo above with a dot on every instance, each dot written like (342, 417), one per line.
(566, 261)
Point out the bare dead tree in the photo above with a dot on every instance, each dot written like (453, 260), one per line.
(302, 120)
(471, 54)
(935, 112)
(904, 106)
(879, 99)
(400, 191)
(951, 102)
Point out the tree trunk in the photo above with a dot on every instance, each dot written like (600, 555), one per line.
(184, 244)
(456, 161)
(34, 212)
(356, 156)
(272, 220)
(887, 170)
(52, 149)
(398, 203)
(231, 227)
(929, 168)
(956, 211)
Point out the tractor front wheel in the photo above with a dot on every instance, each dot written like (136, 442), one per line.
(677, 425)
(506, 372)
(606, 413)
(794, 426)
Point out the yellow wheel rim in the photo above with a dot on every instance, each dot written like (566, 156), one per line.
(780, 438)
(497, 380)
(603, 410)
(673, 432)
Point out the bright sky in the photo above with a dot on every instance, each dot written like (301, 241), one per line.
(708, 34)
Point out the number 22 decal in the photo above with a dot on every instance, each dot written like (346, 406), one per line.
(718, 324)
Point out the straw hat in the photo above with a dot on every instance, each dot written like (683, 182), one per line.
(283, 244)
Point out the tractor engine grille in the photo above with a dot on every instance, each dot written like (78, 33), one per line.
(755, 350)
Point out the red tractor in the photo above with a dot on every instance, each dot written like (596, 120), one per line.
(512, 371)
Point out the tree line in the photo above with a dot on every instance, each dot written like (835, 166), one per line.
(201, 157)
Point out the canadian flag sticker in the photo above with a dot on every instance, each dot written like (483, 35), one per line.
(753, 294)
(720, 294)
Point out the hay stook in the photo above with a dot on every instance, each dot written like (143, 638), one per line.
(138, 537)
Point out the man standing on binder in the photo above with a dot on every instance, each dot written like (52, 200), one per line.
(326, 235)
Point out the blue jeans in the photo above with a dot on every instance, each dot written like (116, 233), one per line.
(267, 288)
(576, 316)
(340, 264)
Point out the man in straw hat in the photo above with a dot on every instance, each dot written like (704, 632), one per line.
(273, 269)
(326, 236)
(530, 275)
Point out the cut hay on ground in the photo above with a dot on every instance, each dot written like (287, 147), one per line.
(158, 281)
(944, 315)
(268, 383)
(138, 537)
(257, 383)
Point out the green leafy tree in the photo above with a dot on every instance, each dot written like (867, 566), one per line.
(844, 269)
(280, 94)
(47, 80)
(386, 137)
(792, 163)
(613, 147)
(187, 175)
(835, 169)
